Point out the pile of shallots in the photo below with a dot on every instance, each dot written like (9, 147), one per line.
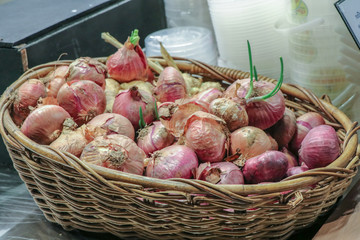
(126, 116)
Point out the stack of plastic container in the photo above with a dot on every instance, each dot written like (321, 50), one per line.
(236, 21)
(187, 13)
(314, 46)
(188, 42)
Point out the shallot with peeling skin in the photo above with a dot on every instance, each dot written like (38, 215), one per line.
(233, 113)
(207, 135)
(154, 137)
(115, 151)
(45, 123)
(205, 97)
(82, 99)
(220, 173)
(170, 85)
(129, 62)
(174, 161)
(72, 139)
(320, 147)
(128, 103)
(110, 123)
(174, 116)
(248, 142)
(86, 68)
(26, 99)
(270, 166)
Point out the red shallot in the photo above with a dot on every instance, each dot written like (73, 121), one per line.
(26, 99)
(174, 161)
(115, 151)
(220, 173)
(71, 139)
(129, 62)
(154, 137)
(110, 123)
(86, 68)
(284, 129)
(233, 113)
(320, 147)
(207, 135)
(128, 103)
(170, 85)
(45, 123)
(248, 142)
(270, 166)
(82, 99)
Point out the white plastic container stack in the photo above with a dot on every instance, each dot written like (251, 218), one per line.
(236, 21)
(189, 42)
(181, 13)
(314, 46)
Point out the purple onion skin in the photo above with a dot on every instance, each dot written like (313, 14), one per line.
(270, 166)
(222, 172)
(174, 161)
(320, 147)
(296, 170)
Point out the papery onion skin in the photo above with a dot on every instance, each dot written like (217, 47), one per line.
(207, 96)
(249, 142)
(207, 135)
(170, 86)
(86, 68)
(270, 166)
(154, 137)
(72, 139)
(128, 103)
(174, 161)
(128, 63)
(320, 147)
(110, 123)
(44, 124)
(112, 88)
(284, 129)
(233, 113)
(115, 151)
(27, 97)
(220, 173)
(82, 99)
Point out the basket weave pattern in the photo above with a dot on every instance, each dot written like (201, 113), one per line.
(87, 197)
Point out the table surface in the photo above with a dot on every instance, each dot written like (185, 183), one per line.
(20, 218)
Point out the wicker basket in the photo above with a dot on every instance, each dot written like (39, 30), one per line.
(95, 199)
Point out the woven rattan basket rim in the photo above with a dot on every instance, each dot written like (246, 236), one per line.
(8, 128)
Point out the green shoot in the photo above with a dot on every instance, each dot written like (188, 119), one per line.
(275, 90)
(248, 94)
(134, 38)
(142, 123)
(156, 112)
